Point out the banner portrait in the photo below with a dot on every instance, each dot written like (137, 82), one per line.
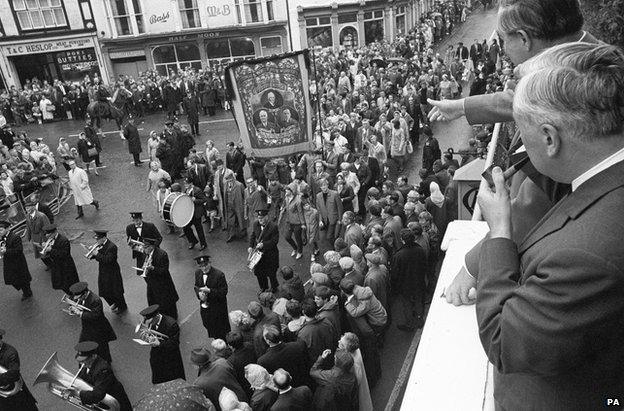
(271, 103)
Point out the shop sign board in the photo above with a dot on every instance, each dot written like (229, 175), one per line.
(124, 54)
(218, 13)
(160, 16)
(76, 60)
(47, 46)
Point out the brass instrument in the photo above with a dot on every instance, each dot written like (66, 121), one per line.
(73, 304)
(92, 249)
(10, 389)
(2, 248)
(63, 384)
(47, 246)
(147, 335)
(136, 245)
(146, 263)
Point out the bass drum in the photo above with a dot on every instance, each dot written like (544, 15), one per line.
(178, 209)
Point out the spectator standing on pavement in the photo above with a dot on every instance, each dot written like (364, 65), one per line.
(191, 107)
(87, 150)
(79, 184)
(337, 387)
(131, 134)
(351, 344)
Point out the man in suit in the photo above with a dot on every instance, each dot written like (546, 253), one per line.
(264, 237)
(95, 326)
(131, 134)
(211, 290)
(476, 52)
(110, 282)
(35, 221)
(329, 207)
(255, 198)
(35, 199)
(199, 173)
(235, 161)
(9, 360)
(365, 177)
(214, 374)
(138, 230)
(97, 372)
(353, 234)
(165, 358)
(287, 120)
(160, 287)
(191, 106)
(15, 267)
(363, 135)
(242, 354)
(533, 196)
(60, 260)
(291, 356)
(570, 117)
(462, 52)
(264, 124)
(199, 198)
(290, 398)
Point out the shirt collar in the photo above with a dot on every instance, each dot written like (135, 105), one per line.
(613, 159)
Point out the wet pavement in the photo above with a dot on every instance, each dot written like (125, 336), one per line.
(38, 327)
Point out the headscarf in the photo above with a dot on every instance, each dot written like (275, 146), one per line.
(436, 195)
(258, 377)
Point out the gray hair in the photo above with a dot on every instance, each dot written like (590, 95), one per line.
(576, 87)
(541, 19)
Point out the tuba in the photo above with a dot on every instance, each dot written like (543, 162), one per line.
(60, 380)
(10, 389)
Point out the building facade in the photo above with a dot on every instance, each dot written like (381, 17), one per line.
(336, 23)
(167, 35)
(48, 39)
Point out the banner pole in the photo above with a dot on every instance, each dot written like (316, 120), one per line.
(318, 104)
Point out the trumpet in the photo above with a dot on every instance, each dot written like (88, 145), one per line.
(91, 250)
(47, 246)
(73, 304)
(147, 263)
(136, 245)
(2, 248)
(147, 335)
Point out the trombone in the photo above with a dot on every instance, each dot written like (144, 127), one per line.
(77, 308)
(91, 250)
(136, 245)
(147, 335)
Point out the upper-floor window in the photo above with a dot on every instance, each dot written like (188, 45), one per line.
(189, 11)
(253, 11)
(39, 14)
(124, 12)
(270, 14)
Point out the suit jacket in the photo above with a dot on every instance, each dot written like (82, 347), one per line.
(354, 235)
(296, 399)
(35, 227)
(330, 211)
(291, 356)
(200, 174)
(43, 208)
(199, 199)
(101, 377)
(462, 52)
(550, 311)
(148, 230)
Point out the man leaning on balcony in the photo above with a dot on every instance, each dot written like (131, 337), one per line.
(550, 309)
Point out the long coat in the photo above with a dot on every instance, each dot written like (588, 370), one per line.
(34, 231)
(215, 316)
(269, 237)
(23, 400)
(166, 360)
(131, 133)
(160, 287)
(62, 265)
(148, 230)
(234, 195)
(110, 282)
(16, 271)
(191, 106)
(79, 184)
(95, 326)
(100, 376)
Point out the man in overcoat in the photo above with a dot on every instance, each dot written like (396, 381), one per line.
(264, 237)
(60, 260)
(110, 282)
(211, 289)
(15, 267)
(131, 134)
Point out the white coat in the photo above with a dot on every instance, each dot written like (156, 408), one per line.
(79, 184)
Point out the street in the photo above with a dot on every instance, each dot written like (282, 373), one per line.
(38, 327)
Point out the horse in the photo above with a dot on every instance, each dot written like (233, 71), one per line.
(98, 110)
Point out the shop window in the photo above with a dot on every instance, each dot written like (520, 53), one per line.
(242, 47)
(271, 45)
(223, 51)
(270, 14)
(319, 32)
(349, 37)
(373, 26)
(189, 11)
(399, 20)
(173, 57)
(39, 14)
(347, 18)
(253, 11)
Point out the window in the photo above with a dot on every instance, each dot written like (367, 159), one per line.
(138, 15)
(189, 11)
(173, 57)
(270, 15)
(121, 16)
(347, 18)
(349, 37)
(238, 11)
(373, 26)
(253, 11)
(319, 32)
(400, 20)
(271, 45)
(224, 51)
(39, 14)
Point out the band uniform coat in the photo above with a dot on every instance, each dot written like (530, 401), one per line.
(166, 360)
(160, 287)
(16, 271)
(215, 316)
(101, 377)
(95, 325)
(22, 400)
(269, 237)
(148, 230)
(131, 133)
(110, 282)
(62, 266)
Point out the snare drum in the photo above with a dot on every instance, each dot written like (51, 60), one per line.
(178, 209)
(254, 259)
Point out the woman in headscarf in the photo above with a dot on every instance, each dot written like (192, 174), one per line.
(265, 393)
(350, 343)
(436, 206)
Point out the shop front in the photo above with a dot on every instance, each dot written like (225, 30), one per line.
(66, 59)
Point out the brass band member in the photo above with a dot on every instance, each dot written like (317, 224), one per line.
(160, 287)
(165, 358)
(22, 399)
(15, 267)
(211, 288)
(137, 231)
(264, 237)
(199, 198)
(95, 326)
(59, 258)
(98, 373)
(110, 282)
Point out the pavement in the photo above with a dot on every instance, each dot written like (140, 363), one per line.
(38, 327)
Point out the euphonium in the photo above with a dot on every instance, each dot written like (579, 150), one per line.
(10, 389)
(60, 380)
(67, 300)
